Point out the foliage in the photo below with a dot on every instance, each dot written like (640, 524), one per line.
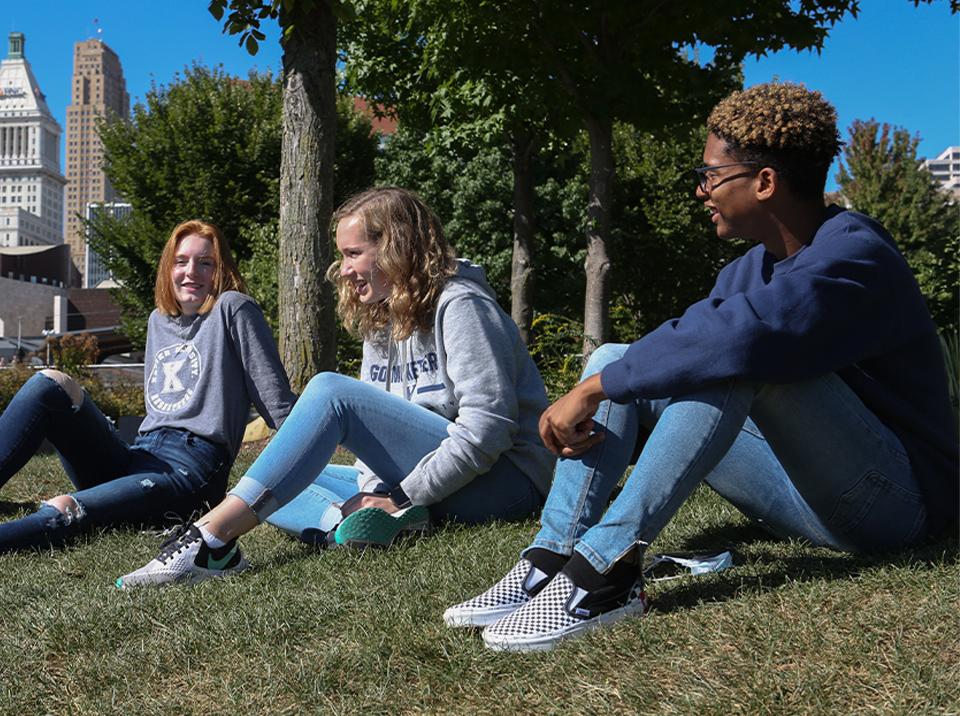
(469, 187)
(555, 350)
(12, 379)
(259, 270)
(72, 353)
(208, 146)
(883, 178)
(358, 147)
(558, 68)
(668, 253)
(950, 344)
(115, 398)
(205, 146)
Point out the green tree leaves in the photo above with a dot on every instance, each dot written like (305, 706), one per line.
(881, 176)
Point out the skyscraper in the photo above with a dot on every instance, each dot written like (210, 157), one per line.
(99, 90)
(31, 185)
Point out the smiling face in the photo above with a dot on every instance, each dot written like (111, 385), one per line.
(192, 272)
(359, 265)
(729, 195)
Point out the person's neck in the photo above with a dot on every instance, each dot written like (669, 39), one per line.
(791, 226)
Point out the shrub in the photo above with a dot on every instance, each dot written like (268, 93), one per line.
(72, 352)
(119, 397)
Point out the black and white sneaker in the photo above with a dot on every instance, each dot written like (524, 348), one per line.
(520, 585)
(562, 610)
(186, 558)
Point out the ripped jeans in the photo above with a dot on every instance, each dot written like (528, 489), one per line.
(165, 471)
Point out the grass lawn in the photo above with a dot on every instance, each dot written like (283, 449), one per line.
(787, 630)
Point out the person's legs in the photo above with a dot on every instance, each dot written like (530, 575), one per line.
(172, 472)
(752, 479)
(318, 506)
(845, 480)
(848, 467)
(582, 485)
(52, 405)
(502, 493)
(691, 437)
(390, 435)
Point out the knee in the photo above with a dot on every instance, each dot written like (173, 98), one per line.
(69, 385)
(67, 506)
(326, 384)
(603, 356)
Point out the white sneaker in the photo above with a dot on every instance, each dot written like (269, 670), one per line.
(186, 558)
(503, 598)
(562, 610)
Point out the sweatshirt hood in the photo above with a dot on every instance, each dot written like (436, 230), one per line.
(475, 273)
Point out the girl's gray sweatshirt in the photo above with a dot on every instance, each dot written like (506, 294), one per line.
(202, 372)
(475, 370)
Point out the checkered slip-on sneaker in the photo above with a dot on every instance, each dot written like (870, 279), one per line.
(373, 527)
(520, 585)
(186, 558)
(561, 611)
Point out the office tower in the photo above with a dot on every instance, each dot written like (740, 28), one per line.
(946, 169)
(99, 90)
(31, 185)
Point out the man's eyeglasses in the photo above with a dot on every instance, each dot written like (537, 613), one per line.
(704, 180)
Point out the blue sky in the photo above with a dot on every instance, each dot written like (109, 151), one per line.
(895, 63)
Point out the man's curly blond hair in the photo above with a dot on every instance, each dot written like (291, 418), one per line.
(784, 126)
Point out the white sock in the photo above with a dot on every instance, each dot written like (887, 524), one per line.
(212, 542)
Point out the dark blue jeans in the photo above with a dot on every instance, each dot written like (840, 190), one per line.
(165, 471)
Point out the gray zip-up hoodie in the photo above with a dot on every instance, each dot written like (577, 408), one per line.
(473, 369)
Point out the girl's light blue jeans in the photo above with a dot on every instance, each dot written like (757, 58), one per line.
(806, 460)
(292, 486)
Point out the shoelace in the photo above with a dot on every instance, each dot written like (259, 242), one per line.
(178, 540)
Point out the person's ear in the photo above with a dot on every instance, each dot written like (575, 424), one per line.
(767, 183)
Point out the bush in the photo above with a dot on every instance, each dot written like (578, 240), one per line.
(119, 397)
(72, 352)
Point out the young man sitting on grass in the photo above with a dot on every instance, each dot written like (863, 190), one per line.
(808, 389)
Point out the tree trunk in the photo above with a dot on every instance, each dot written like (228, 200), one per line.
(523, 272)
(308, 337)
(596, 311)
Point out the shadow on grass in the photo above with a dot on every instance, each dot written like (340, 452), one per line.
(762, 563)
(11, 510)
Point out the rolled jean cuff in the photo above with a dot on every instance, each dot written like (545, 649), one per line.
(257, 497)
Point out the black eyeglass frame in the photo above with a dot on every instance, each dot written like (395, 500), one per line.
(702, 177)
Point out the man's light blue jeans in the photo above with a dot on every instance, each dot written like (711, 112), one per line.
(292, 486)
(806, 460)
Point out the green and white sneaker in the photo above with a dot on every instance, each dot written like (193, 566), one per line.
(373, 527)
(186, 559)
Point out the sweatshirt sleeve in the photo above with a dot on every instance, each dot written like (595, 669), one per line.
(837, 301)
(478, 355)
(265, 379)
